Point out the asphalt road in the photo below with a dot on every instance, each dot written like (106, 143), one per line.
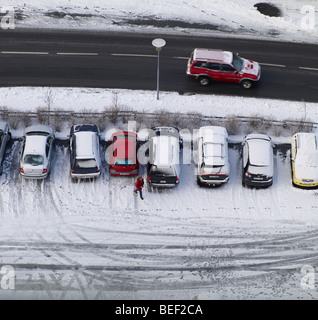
(128, 60)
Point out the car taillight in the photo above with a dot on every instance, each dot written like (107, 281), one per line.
(21, 170)
(177, 179)
(97, 170)
(44, 171)
(73, 171)
(148, 178)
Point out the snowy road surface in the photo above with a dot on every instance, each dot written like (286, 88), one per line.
(96, 240)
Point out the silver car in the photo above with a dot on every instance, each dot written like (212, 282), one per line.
(5, 136)
(35, 162)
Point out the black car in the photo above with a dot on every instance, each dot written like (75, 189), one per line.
(163, 165)
(84, 148)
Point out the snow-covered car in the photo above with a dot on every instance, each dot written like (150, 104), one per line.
(257, 160)
(84, 151)
(208, 65)
(123, 154)
(37, 149)
(5, 136)
(304, 159)
(164, 148)
(213, 167)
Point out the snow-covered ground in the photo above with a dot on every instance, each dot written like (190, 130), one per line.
(298, 20)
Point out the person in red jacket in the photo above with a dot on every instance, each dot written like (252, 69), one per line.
(138, 186)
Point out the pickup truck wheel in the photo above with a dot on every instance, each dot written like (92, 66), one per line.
(247, 84)
(204, 81)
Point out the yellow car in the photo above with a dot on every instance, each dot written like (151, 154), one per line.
(304, 159)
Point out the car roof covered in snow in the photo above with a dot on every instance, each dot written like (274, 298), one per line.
(214, 134)
(35, 144)
(260, 149)
(306, 141)
(307, 152)
(165, 150)
(85, 144)
(213, 55)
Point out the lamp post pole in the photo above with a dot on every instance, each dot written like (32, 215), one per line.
(158, 44)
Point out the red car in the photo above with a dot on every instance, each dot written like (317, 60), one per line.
(208, 65)
(123, 154)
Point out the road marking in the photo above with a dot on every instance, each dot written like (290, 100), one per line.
(78, 53)
(273, 65)
(22, 52)
(183, 58)
(307, 68)
(134, 55)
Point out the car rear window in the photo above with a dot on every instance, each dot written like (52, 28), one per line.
(86, 163)
(124, 162)
(163, 171)
(33, 159)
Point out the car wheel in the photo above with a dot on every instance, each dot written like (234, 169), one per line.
(247, 84)
(204, 81)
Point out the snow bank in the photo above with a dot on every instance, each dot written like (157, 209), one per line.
(226, 17)
(96, 100)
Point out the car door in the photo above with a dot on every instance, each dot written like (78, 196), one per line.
(214, 70)
(229, 73)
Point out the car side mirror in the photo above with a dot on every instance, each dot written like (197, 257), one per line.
(202, 164)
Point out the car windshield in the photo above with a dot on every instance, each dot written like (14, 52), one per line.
(163, 171)
(124, 162)
(86, 163)
(237, 62)
(33, 159)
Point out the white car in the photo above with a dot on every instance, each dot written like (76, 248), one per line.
(257, 160)
(213, 167)
(304, 159)
(35, 161)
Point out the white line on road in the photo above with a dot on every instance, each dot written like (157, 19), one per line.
(22, 52)
(273, 65)
(307, 68)
(134, 55)
(183, 58)
(78, 53)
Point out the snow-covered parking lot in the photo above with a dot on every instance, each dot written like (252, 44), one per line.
(95, 239)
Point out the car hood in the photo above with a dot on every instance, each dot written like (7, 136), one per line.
(305, 172)
(251, 67)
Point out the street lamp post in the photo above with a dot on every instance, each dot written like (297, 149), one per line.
(158, 44)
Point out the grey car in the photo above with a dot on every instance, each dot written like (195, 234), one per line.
(5, 136)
